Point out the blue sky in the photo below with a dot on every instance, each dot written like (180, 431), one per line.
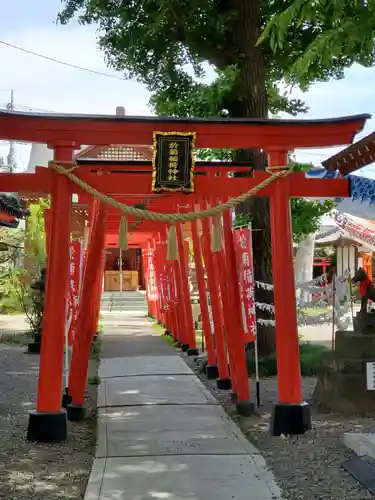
(41, 84)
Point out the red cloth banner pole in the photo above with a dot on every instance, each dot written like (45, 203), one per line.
(73, 287)
(244, 259)
(243, 403)
(155, 255)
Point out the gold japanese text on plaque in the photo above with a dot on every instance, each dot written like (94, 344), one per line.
(173, 161)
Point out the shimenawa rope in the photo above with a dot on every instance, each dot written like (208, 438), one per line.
(282, 171)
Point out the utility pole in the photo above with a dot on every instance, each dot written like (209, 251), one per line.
(11, 158)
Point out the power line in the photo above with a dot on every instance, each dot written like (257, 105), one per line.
(64, 63)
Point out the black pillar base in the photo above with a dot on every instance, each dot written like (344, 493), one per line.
(66, 400)
(290, 419)
(184, 347)
(34, 347)
(76, 413)
(224, 384)
(47, 427)
(212, 372)
(193, 351)
(245, 408)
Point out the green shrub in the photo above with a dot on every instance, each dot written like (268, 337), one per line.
(311, 356)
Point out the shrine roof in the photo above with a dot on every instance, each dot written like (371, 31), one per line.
(10, 211)
(192, 120)
(211, 132)
(356, 156)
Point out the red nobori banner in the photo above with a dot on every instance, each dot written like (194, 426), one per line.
(73, 286)
(244, 258)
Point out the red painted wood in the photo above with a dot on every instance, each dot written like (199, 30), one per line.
(186, 303)
(54, 317)
(202, 295)
(287, 343)
(83, 339)
(210, 133)
(40, 183)
(236, 327)
(217, 314)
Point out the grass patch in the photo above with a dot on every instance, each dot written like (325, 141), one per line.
(15, 338)
(311, 357)
(315, 311)
(158, 329)
(96, 348)
(169, 340)
(94, 380)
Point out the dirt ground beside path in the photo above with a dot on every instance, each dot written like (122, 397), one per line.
(30, 471)
(307, 467)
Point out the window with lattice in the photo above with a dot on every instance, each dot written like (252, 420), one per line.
(120, 153)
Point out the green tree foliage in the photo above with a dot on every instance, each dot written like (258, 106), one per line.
(340, 29)
(11, 243)
(155, 42)
(306, 216)
(35, 247)
(167, 44)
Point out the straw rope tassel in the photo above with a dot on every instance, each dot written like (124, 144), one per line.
(172, 253)
(123, 242)
(216, 238)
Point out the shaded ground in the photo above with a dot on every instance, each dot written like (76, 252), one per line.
(31, 471)
(306, 467)
(125, 335)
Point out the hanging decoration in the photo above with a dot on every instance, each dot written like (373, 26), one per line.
(315, 281)
(262, 306)
(173, 161)
(356, 231)
(152, 289)
(73, 287)
(172, 251)
(244, 258)
(217, 234)
(123, 243)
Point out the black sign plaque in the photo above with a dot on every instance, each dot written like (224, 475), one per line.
(173, 161)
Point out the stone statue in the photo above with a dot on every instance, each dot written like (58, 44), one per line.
(341, 386)
(366, 288)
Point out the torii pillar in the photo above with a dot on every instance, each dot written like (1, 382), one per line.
(49, 422)
(291, 414)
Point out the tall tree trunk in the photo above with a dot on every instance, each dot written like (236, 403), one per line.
(251, 102)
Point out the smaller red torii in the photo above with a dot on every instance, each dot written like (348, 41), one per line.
(65, 134)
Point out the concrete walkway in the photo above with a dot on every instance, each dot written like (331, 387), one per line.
(161, 434)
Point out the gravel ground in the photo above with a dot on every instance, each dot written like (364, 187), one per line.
(30, 471)
(306, 467)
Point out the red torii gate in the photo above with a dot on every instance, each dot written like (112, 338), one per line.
(66, 133)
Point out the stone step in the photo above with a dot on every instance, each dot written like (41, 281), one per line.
(121, 307)
(117, 301)
(360, 443)
(349, 344)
